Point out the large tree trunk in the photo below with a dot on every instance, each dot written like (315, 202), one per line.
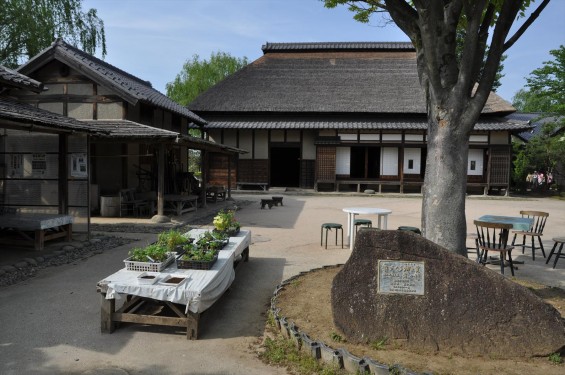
(443, 205)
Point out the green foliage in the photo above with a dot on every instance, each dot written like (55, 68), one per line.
(379, 344)
(336, 337)
(29, 26)
(195, 253)
(151, 253)
(546, 92)
(171, 239)
(283, 352)
(556, 358)
(198, 75)
(225, 221)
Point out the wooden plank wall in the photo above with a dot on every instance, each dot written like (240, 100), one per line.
(218, 170)
(253, 170)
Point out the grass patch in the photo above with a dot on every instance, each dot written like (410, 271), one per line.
(555, 358)
(379, 344)
(282, 352)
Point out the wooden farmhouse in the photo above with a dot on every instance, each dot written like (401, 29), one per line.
(141, 139)
(36, 147)
(342, 116)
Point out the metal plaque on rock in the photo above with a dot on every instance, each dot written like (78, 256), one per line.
(400, 277)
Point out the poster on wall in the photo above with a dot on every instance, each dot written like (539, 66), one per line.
(79, 165)
(16, 168)
(38, 164)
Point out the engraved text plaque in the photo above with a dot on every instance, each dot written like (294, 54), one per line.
(400, 277)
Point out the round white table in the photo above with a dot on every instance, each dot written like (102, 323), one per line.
(382, 214)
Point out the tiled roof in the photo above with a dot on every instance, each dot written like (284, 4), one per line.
(368, 81)
(29, 117)
(125, 129)
(124, 84)
(537, 120)
(338, 46)
(385, 124)
(11, 79)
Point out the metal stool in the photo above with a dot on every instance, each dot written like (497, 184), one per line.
(359, 222)
(410, 229)
(557, 240)
(328, 227)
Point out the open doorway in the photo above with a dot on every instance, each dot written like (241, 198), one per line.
(285, 166)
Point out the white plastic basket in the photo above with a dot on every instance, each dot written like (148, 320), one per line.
(132, 265)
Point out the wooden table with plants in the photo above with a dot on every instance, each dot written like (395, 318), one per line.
(172, 281)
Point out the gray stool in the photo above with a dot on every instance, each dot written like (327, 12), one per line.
(360, 222)
(410, 229)
(328, 227)
(557, 240)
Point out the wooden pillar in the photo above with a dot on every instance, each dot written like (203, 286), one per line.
(63, 195)
(229, 176)
(161, 180)
(204, 168)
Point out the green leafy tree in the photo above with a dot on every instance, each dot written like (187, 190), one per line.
(196, 77)
(456, 88)
(547, 85)
(545, 95)
(29, 26)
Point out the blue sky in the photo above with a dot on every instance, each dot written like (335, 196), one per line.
(152, 39)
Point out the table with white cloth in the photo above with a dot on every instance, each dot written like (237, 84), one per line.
(352, 212)
(185, 302)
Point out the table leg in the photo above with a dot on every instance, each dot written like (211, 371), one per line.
(351, 226)
(107, 307)
(385, 221)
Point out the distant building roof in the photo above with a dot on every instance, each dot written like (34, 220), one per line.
(536, 121)
(339, 77)
(131, 88)
(11, 79)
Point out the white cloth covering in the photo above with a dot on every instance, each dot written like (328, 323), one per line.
(198, 291)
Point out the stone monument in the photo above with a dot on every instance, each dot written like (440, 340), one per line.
(419, 296)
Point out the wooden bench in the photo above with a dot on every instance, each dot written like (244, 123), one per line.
(262, 185)
(34, 228)
(180, 204)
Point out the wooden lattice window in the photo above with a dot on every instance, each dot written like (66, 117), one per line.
(325, 164)
(499, 166)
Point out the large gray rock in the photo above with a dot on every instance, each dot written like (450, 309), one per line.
(465, 308)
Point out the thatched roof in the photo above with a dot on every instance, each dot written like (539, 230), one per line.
(127, 86)
(375, 78)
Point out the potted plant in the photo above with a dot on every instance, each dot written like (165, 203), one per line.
(154, 257)
(225, 221)
(196, 257)
(212, 241)
(172, 239)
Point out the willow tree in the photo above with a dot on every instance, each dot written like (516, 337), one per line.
(456, 86)
(29, 26)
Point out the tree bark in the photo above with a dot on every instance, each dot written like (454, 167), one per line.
(445, 182)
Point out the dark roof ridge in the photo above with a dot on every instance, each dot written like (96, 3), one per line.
(59, 42)
(336, 46)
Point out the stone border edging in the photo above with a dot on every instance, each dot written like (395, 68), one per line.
(318, 349)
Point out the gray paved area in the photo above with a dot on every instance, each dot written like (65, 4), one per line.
(51, 324)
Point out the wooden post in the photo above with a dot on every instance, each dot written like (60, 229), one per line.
(229, 177)
(107, 307)
(161, 180)
(63, 173)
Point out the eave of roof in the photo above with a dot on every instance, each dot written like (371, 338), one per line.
(11, 79)
(131, 88)
(30, 117)
(133, 131)
(380, 124)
